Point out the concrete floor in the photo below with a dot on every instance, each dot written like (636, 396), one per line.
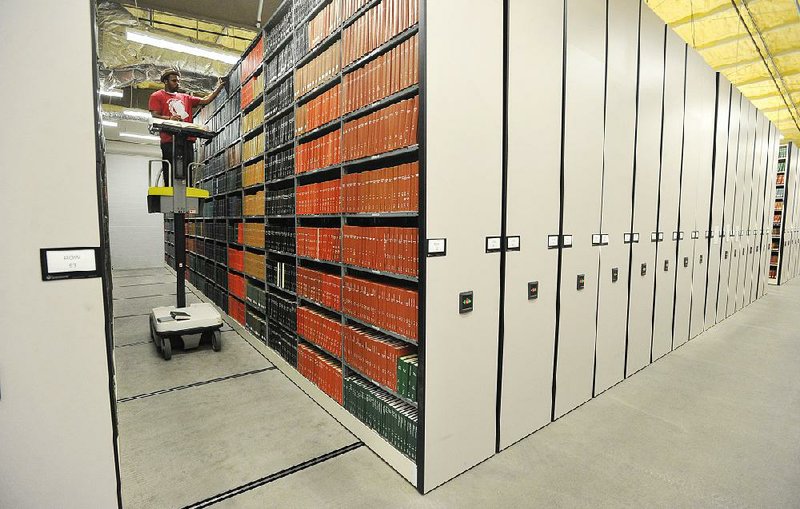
(714, 424)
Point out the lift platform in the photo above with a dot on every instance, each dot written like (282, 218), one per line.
(179, 325)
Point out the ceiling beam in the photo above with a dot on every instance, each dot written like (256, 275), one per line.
(743, 36)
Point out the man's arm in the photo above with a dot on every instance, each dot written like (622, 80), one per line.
(213, 95)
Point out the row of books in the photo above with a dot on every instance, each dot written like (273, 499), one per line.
(281, 238)
(236, 285)
(407, 367)
(221, 207)
(393, 189)
(389, 128)
(229, 110)
(253, 147)
(319, 198)
(320, 70)
(320, 287)
(377, 26)
(236, 309)
(255, 324)
(231, 180)
(280, 164)
(280, 130)
(254, 235)
(389, 73)
(253, 119)
(279, 63)
(254, 204)
(252, 59)
(280, 202)
(391, 417)
(236, 259)
(282, 311)
(284, 343)
(319, 153)
(253, 174)
(323, 23)
(256, 296)
(388, 307)
(282, 274)
(780, 179)
(319, 111)
(349, 7)
(384, 248)
(321, 370)
(374, 355)
(319, 243)
(278, 31)
(222, 140)
(320, 329)
(254, 265)
(252, 90)
(279, 97)
(233, 155)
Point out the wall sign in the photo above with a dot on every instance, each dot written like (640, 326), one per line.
(70, 262)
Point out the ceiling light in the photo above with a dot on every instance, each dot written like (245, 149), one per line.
(138, 114)
(110, 93)
(139, 136)
(182, 47)
(109, 123)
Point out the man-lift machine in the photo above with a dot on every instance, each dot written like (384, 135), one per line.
(180, 324)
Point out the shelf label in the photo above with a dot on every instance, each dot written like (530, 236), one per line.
(493, 244)
(512, 243)
(552, 241)
(66, 263)
(437, 247)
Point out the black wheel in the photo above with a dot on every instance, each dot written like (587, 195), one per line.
(167, 349)
(155, 338)
(216, 341)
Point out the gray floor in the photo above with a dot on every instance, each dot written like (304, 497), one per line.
(714, 424)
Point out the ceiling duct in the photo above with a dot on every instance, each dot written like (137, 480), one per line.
(125, 63)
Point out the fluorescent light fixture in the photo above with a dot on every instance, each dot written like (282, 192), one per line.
(138, 114)
(110, 93)
(109, 123)
(139, 136)
(180, 46)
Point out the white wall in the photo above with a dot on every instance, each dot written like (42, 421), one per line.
(56, 434)
(137, 238)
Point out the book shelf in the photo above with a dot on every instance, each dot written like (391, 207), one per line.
(781, 260)
(309, 237)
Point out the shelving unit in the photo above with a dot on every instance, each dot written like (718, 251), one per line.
(467, 238)
(255, 245)
(782, 232)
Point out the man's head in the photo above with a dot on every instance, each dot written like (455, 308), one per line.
(171, 79)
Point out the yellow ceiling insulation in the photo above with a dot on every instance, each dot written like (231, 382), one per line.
(234, 38)
(753, 43)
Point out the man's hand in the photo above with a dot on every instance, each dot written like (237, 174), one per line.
(175, 117)
(220, 83)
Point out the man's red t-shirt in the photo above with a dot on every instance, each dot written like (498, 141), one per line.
(168, 104)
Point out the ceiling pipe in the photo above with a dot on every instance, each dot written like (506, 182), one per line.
(258, 18)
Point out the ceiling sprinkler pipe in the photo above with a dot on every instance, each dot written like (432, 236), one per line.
(258, 17)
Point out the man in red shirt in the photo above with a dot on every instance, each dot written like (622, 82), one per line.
(169, 104)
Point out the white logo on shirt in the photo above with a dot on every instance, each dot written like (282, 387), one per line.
(176, 107)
